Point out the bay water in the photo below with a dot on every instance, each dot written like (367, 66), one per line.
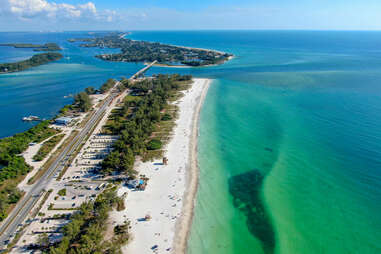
(290, 133)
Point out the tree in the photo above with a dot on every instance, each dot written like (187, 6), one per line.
(135, 122)
(90, 90)
(83, 101)
(35, 60)
(62, 192)
(43, 240)
(111, 162)
(14, 196)
(154, 144)
(13, 165)
(121, 229)
(107, 86)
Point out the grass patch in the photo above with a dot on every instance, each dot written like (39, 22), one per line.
(52, 208)
(46, 196)
(13, 165)
(131, 98)
(154, 144)
(120, 206)
(62, 192)
(22, 230)
(166, 117)
(47, 147)
(50, 161)
(163, 132)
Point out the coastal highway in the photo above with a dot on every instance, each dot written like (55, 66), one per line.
(9, 226)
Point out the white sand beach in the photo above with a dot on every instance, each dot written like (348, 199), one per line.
(169, 196)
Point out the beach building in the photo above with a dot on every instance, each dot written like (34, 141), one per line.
(63, 120)
(135, 183)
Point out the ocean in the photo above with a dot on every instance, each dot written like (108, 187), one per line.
(290, 133)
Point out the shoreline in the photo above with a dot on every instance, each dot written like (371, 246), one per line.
(31, 62)
(184, 225)
(184, 47)
(188, 66)
(170, 194)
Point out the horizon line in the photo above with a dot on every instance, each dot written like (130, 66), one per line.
(192, 30)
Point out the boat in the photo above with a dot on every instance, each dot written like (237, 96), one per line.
(31, 118)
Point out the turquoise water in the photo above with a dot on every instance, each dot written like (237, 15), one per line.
(310, 126)
(41, 90)
(290, 135)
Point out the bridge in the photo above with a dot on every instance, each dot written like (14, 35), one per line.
(142, 71)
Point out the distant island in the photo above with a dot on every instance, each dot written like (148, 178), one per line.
(35, 60)
(143, 51)
(35, 47)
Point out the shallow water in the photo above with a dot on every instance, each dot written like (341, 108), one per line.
(290, 140)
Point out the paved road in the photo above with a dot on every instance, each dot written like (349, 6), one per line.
(136, 75)
(9, 226)
(24, 206)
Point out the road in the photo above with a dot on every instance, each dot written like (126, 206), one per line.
(9, 226)
(24, 206)
(143, 70)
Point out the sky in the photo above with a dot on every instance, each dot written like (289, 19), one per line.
(59, 15)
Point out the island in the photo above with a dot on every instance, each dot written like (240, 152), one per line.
(91, 171)
(35, 47)
(143, 51)
(35, 60)
(95, 171)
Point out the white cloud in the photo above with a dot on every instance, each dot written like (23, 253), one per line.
(90, 6)
(43, 9)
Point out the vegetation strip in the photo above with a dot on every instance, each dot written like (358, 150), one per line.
(35, 47)
(36, 60)
(143, 124)
(51, 159)
(85, 232)
(22, 229)
(46, 196)
(82, 102)
(137, 121)
(13, 166)
(47, 147)
(143, 51)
